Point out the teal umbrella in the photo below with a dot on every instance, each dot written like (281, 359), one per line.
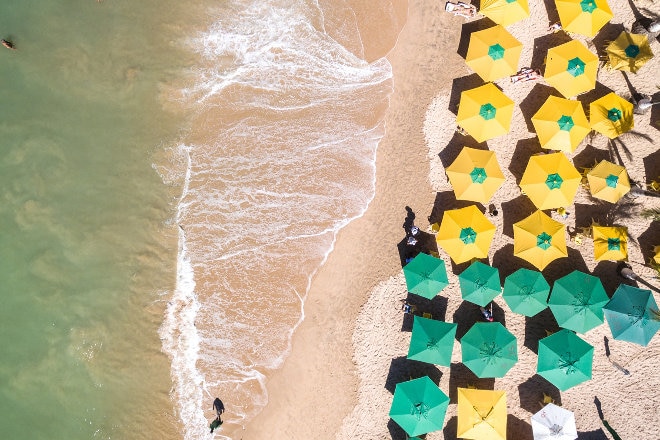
(630, 315)
(526, 292)
(489, 349)
(480, 283)
(425, 275)
(564, 359)
(419, 406)
(577, 301)
(432, 341)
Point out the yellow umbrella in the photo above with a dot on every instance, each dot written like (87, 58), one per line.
(493, 53)
(505, 12)
(550, 181)
(481, 414)
(465, 234)
(561, 124)
(628, 52)
(571, 68)
(475, 175)
(608, 181)
(611, 115)
(610, 243)
(539, 239)
(485, 112)
(584, 17)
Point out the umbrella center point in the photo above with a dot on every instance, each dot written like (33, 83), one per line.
(490, 352)
(468, 235)
(544, 241)
(576, 67)
(632, 51)
(565, 123)
(419, 410)
(556, 429)
(613, 244)
(567, 364)
(612, 180)
(478, 175)
(496, 51)
(433, 344)
(554, 181)
(588, 5)
(487, 111)
(614, 114)
(526, 292)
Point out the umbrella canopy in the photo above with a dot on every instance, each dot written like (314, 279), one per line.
(539, 240)
(432, 341)
(554, 423)
(475, 175)
(577, 301)
(493, 53)
(480, 283)
(630, 315)
(489, 349)
(564, 359)
(608, 181)
(628, 52)
(485, 112)
(611, 115)
(550, 181)
(465, 233)
(526, 292)
(610, 243)
(505, 12)
(584, 17)
(571, 68)
(425, 275)
(419, 406)
(561, 124)
(481, 414)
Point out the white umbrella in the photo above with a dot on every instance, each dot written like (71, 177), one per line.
(554, 423)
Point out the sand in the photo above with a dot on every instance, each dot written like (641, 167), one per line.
(351, 349)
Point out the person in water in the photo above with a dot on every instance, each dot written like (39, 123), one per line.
(8, 44)
(219, 408)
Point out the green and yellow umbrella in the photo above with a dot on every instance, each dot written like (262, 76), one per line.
(493, 53)
(485, 112)
(611, 115)
(465, 234)
(610, 243)
(608, 181)
(628, 52)
(571, 68)
(550, 181)
(475, 175)
(481, 414)
(561, 124)
(539, 240)
(505, 12)
(584, 17)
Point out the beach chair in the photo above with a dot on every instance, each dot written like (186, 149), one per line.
(461, 9)
(526, 74)
(546, 399)
(654, 186)
(427, 315)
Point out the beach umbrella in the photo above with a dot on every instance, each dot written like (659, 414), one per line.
(505, 12)
(432, 341)
(610, 243)
(526, 292)
(489, 349)
(539, 240)
(611, 115)
(630, 315)
(564, 359)
(425, 275)
(577, 301)
(419, 406)
(481, 414)
(480, 283)
(493, 53)
(485, 112)
(628, 52)
(465, 233)
(584, 17)
(608, 181)
(550, 181)
(554, 423)
(475, 175)
(571, 68)
(561, 124)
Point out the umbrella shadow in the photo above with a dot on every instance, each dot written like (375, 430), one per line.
(525, 148)
(533, 102)
(553, 15)
(537, 327)
(531, 393)
(590, 156)
(445, 201)
(598, 434)
(648, 239)
(652, 163)
(606, 35)
(468, 314)
(406, 251)
(466, 31)
(563, 266)
(449, 154)
(396, 432)
(514, 211)
(457, 268)
(542, 44)
(518, 429)
(403, 369)
(585, 214)
(458, 86)
(451, 429)
(590, 96)
(655, 113)
(507, 263)
(606, 271)
(461, 376)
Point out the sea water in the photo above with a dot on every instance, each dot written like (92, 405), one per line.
(172, 177)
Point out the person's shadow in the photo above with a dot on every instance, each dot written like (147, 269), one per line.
(409, 222)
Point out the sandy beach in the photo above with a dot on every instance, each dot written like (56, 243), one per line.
(350, 351)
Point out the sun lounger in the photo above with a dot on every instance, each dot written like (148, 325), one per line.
(526, 74)
(464, 10)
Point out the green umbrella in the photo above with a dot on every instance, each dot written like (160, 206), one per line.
(630, 317)
(564, 359)
(432, 341)
(480, 283)
(419, 406)
(489, 349)
(425, 275)
(526, 292)
(577, 301)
